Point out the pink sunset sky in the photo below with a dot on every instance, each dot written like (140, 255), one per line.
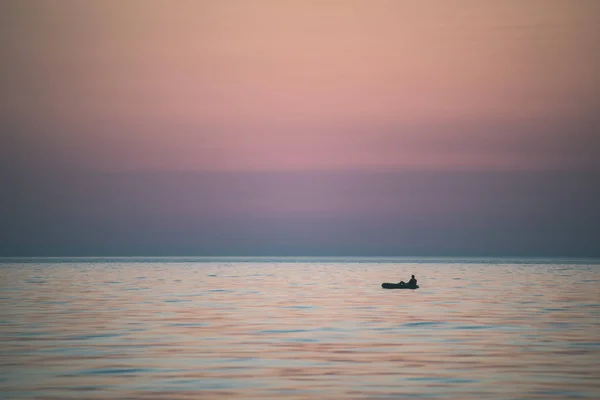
(304, 85)
(308, 127)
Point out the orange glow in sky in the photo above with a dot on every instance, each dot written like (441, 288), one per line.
(334, 84)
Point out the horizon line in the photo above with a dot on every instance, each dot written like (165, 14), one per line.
(513, 257)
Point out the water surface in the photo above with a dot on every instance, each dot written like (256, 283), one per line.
(272, 329)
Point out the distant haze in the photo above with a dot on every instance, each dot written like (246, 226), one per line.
(330, 127)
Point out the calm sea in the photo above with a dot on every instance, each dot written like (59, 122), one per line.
(231, 328)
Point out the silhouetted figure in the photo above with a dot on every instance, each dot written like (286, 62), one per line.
(412, 283)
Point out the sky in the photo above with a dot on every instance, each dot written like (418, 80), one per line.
(284, 127)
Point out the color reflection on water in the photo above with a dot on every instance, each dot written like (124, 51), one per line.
(184, 330)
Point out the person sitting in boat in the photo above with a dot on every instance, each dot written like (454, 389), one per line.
(412, 283)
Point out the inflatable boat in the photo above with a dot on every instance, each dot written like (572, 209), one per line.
(387, 285)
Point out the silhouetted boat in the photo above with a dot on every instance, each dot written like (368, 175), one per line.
(387, 285)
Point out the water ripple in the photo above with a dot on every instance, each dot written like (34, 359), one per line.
(148, 329)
